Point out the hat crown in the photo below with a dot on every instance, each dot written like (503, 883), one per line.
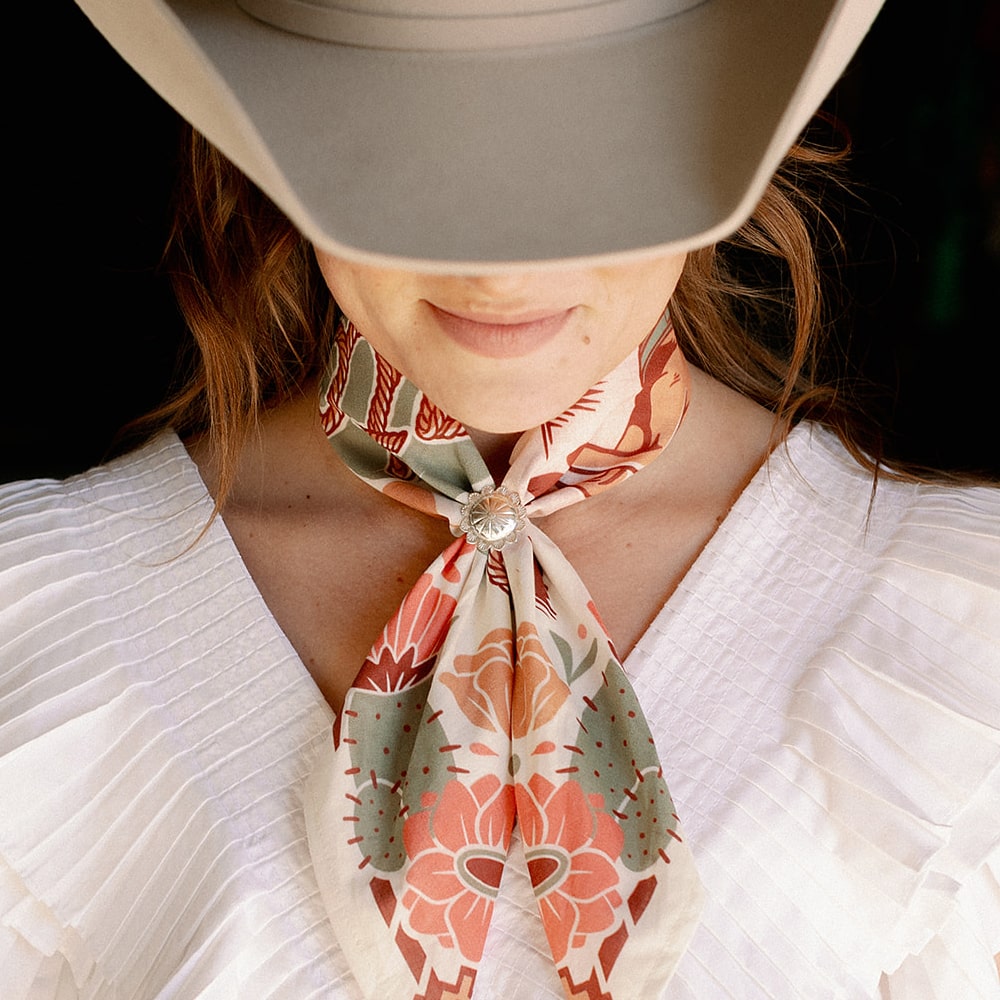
(460, 24)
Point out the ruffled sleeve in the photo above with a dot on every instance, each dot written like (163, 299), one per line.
(40, 957)
(155, 729)
(960, 960)
(896, 726)
(105, 835)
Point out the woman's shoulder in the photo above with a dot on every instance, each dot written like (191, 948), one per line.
(830, 667)
(817, 546)
(154, 726)
(817, 467)
(915, 621)
(893, 720)
(80, 558)
(64, 538)
(96, 571)
(126, 486)
(924, 552)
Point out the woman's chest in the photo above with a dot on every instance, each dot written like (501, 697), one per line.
(333, 580)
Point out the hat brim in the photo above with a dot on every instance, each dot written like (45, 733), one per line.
(653, 140)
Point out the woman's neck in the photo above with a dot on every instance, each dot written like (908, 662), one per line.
(495, 450)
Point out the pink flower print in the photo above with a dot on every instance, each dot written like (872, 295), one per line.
(405, 652)
(457, 849)
(481, 681)
(571, 846)
(539, 692)
(494, 696)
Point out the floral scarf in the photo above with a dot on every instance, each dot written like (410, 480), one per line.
(494, 695)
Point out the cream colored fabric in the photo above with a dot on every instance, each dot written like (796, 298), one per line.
(831, 682)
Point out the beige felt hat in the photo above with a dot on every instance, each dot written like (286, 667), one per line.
(449, 134)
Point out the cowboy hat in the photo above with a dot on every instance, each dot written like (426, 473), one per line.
(444, 134)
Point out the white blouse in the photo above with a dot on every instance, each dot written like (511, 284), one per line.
(824, 689)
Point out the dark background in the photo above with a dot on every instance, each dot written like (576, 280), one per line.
(92, 331)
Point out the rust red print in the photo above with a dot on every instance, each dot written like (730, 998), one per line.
(433, 424)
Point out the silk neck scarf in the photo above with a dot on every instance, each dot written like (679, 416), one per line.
(494, 695)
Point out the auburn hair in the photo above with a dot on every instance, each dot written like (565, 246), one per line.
(750, 310)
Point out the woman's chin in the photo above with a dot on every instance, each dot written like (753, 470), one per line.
(506, 414)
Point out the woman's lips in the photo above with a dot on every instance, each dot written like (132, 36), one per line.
(495, 335)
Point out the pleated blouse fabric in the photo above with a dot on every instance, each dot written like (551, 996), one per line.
(824, 688)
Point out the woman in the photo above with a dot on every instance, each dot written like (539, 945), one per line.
(454, 437)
